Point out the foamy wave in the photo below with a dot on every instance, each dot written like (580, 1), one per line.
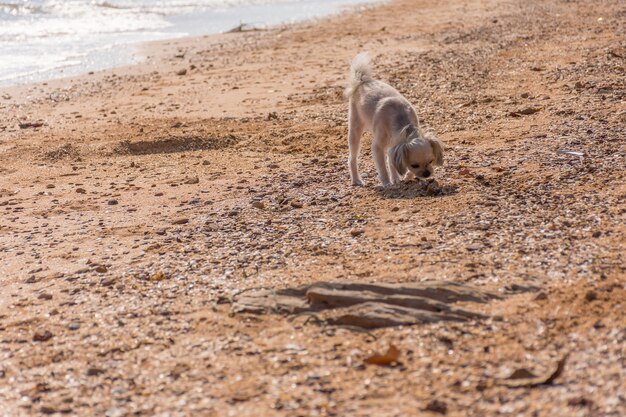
(44, 18)
(41, 36)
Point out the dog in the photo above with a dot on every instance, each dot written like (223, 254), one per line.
(378, 107)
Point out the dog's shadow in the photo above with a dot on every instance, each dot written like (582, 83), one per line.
(415, 189)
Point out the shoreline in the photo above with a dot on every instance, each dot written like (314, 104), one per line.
(215, 21)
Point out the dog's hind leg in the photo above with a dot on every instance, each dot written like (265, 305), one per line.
(355, 130)
(380, 160)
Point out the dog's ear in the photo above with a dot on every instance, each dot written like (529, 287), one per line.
(406, 132)
(398, 155)
(437, 148)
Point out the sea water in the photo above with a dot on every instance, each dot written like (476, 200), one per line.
(43, 39)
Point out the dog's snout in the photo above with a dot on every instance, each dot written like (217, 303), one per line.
(426, 174)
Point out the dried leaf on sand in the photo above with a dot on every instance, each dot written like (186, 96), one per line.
(389, 358)
(524, 378)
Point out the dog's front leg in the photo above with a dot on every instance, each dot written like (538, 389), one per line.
(395, 176)
(380, 161)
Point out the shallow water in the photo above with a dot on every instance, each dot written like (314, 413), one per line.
(43, 39)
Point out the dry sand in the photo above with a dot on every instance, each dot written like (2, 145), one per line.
(139, 200)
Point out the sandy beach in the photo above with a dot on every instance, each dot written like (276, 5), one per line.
(138, 203)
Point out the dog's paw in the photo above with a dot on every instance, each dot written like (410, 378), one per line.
(358, 182)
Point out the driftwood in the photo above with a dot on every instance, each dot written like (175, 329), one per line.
(368, 305)
(245, 27)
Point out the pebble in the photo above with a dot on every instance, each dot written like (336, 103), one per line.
(112, 202)
(159, 276)
(107, 282)
(591, 296)
(94, 371)
(437, 406)
(42, 336)
(258, 204)
(356, 232)
(183, 220)
(73, 326)
(81, 190)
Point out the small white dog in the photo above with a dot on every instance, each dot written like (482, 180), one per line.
(381, 109)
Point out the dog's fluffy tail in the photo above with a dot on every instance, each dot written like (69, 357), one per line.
(360, 71)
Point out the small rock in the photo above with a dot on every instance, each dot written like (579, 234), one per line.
(101, 269)
(192, 180)
(81, 190)
(580, 402)
(28, 125)
(527, 111)
(50, 186)
(107, 282)
(182, 72)
(591, 296)
(541, 296)
(183, 220)
(47, 409)
(112, 202)
(73, 326)
(206, 162)
(94, 371)
(159, 276)
(465, 172)
(437, 406)
(258, 204)
(31, 279)
(296, 204)
(42, 336)
(45, 296)
(356, 232)
(161, 232)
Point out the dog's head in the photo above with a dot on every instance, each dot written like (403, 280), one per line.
(418, 156)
